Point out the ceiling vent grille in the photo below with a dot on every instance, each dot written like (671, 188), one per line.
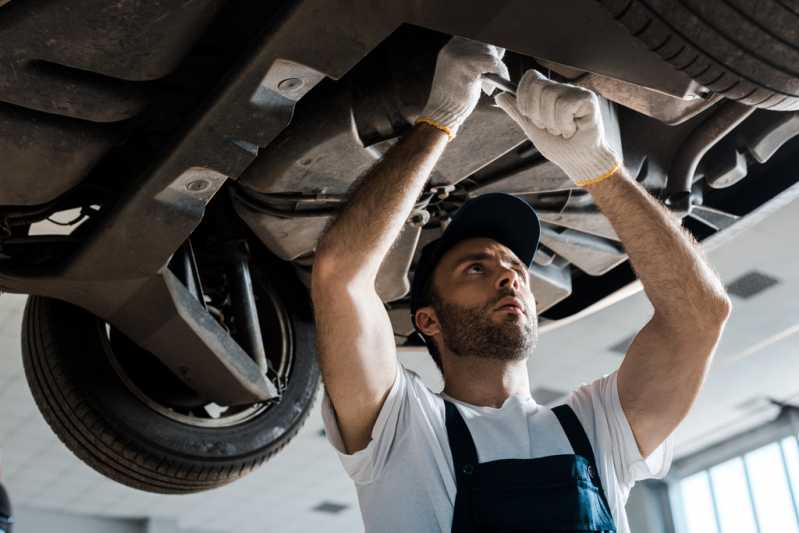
(751, 284)
(330, 507)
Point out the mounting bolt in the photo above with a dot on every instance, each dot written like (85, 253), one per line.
(198, 185)
(419, 218)
(289, 84)
(442, 191)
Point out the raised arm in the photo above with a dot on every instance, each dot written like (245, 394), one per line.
(355, 339)
(665, 366)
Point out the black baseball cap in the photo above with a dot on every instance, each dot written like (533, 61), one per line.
(505, 218)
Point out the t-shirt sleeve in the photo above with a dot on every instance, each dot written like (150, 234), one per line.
(366, 465)
(598, 408)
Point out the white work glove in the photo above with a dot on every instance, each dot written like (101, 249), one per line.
(457, 82)
(566, 125)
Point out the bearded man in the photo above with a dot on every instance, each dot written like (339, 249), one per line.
(483, 455)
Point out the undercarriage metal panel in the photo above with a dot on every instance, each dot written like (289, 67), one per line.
(663, 107)
(148, 224)
(78, 58)
(586, 220)
(119, 272)
(160, 314)
(543, 176)
(550, 284)
(590, 254)
(319, 153)
(33, 144)
(392, 279)
(287, 238)
(768, 131)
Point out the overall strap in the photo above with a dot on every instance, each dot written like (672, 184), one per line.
(579, 442)
(464, 453)
(575, 432)
(464, 458)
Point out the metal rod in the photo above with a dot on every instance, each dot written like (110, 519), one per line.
(713, 501)
(190, 274)
(503, 84)
(244, 306)
(788, 481)
(751, 494)
(683, 168)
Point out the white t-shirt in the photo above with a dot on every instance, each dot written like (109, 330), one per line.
(405, 478)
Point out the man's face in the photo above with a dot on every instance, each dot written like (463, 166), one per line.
(473, 284)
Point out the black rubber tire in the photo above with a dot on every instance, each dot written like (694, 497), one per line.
(746, 51)
(87, 405)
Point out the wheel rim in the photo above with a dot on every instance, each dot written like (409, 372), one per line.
(275, 326)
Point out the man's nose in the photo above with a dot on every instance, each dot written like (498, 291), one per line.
(509, 276)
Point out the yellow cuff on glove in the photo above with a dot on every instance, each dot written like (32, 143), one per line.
(593, 181)
(436, 124)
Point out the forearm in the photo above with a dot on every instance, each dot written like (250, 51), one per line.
(356, 243)
(677, 279)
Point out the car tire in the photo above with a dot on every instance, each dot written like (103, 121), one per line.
(745, 51)
(110, 426)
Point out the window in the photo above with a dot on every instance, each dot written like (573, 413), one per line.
(756, 492)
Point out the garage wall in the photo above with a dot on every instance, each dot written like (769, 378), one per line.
(648, 509)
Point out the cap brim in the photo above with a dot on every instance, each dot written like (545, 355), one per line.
(502, 217)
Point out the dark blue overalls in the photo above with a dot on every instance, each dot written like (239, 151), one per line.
(556, 493)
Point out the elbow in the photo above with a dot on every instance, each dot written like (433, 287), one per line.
(726, 307)
(701, 317)
(714, 317)
(332, 272)
(719, 308)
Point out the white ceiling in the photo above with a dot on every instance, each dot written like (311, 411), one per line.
(756, 359)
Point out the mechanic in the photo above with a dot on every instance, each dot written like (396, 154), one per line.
(482, 455)
(6, 514)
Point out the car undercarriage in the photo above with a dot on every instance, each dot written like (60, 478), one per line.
(169, 168)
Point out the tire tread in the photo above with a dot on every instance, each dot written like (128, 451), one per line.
(94, 440)
(645, 22)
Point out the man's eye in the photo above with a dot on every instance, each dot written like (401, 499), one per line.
(475, 265)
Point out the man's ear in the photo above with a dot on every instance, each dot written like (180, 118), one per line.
(427, 321)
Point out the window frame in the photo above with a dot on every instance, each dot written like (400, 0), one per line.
(786, 425)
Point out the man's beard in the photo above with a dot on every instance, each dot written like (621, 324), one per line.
(470, 331)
